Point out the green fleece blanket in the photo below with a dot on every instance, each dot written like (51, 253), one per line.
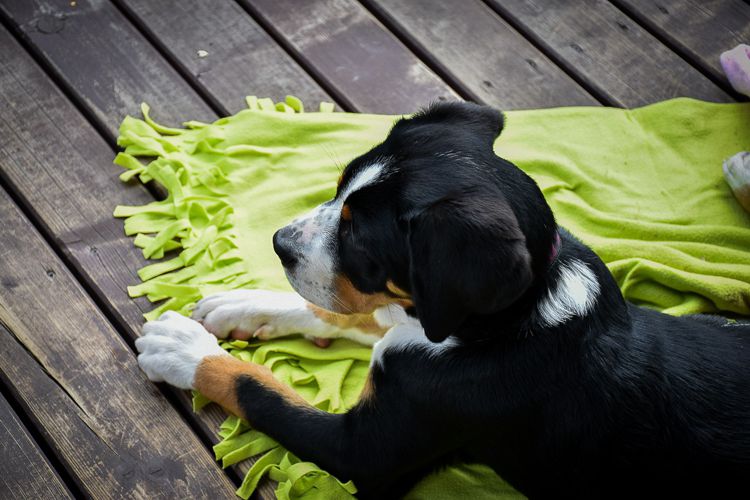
(642, 187)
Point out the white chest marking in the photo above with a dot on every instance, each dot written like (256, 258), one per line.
(409, 334)
(574, 295)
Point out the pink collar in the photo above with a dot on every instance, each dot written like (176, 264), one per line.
(555, 248)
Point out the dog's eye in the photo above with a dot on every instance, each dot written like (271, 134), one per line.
(346, 220)
(346, 213)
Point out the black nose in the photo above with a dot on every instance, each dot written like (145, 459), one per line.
(284, 248)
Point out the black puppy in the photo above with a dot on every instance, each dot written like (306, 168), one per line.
(504, 341)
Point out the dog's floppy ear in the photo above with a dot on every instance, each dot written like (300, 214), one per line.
(467, 256)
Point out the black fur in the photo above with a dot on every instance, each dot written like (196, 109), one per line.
(623, 402)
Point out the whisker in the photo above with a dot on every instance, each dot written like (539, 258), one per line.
(343, 306)
(331, 153)
(332, 295)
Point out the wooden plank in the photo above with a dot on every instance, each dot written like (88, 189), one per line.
(611, 54)
(365, 66)
(492, 61)
(62, 171)
(699, 29)
(225, 51)
(104, 61)
(109, 426)
(24, 470)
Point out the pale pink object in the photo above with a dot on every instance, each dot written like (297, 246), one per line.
(736, 64)
(737, 174)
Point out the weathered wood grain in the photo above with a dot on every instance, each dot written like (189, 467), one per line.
(700, 29)
(109, 426)
(62, 171)
(104, 61)
(480, 50)
(24, 470)
(610, 53)
(366, 67)
(225, 50)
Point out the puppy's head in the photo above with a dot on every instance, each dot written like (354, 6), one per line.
(430, 218)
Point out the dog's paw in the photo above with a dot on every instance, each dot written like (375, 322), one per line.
(253, 313)
(172, 347)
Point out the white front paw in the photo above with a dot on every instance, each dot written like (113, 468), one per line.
(172, 347)
(257, 313)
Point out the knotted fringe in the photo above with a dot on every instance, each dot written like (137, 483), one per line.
(195, 217)
(196, 220)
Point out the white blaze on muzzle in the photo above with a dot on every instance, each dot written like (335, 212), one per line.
(314, 239)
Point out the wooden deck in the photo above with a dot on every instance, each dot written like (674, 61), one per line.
(77, 417)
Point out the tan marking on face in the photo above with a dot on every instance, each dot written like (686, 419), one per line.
(395, 290)
(356, 302)
(363, 322)
(216, 378)
(346, 213)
